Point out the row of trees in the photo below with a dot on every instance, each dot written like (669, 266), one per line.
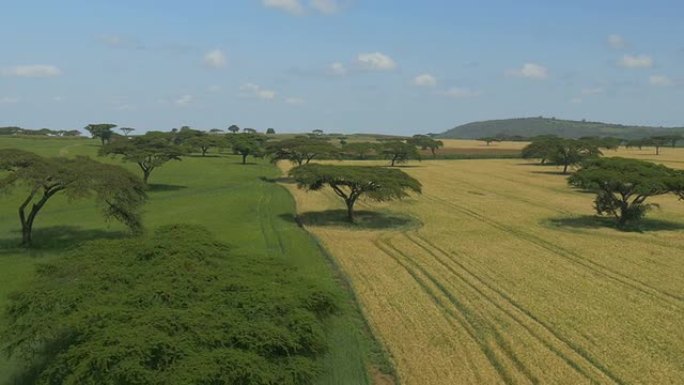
(621, 185)
(13, 130)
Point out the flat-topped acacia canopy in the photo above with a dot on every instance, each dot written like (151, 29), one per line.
(352, 182)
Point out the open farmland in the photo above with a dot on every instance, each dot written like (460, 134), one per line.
(510, 279)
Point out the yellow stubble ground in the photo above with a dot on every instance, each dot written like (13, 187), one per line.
(510, 280)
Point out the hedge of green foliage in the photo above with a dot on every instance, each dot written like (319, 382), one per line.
(176, 307)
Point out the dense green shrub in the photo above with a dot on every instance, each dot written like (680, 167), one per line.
(176, 307)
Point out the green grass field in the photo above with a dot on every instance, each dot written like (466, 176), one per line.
(238, 203)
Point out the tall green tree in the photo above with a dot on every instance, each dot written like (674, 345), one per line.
(203, 142)
(658, 142)
(425, 142)
(148, 152)
(301, 150)
(119, 193)
(622, 185)
(353, 182)
(234, 129)
(247, 144)
(102, 131)
(399, 152)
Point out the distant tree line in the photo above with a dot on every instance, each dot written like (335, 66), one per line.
(13, 130)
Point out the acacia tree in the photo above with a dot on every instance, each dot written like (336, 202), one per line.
(489, 140)
(301, 150)
(234, 129)
(203, 142)
(425, 142)
(623, 185)
(270, 131)
(103, 131)
(359, 150)
(399, 152)
(352, 182)
(247, 144)
(539, 148)
(126, 131)
(119, 193)
(148, 152)
(658, 142)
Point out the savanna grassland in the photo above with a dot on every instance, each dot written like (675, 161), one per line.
(499, 273)
(240, 206)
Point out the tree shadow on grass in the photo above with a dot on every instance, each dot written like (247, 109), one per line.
(364, 220)
(284, 180)
(596, 222)
(552, 172)
(154, 187)
(56, 238)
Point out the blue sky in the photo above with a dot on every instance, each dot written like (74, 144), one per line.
(400, 66)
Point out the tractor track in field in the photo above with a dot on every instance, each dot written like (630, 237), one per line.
(583, 363)
(457, 315)
(591, 266)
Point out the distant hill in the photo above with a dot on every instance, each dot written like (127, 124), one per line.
(528, 127)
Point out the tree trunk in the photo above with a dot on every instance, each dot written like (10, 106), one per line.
(146, 175)
(565, 168)
(244, 159)
(657, 150)
(350, 211)
(394, 159)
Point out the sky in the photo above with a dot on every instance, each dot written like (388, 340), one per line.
(382, 66)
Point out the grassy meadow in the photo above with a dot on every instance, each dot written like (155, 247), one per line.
(239, 204)
(499, 273)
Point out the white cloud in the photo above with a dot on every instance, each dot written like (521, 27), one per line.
(660, 81)
(215, 59)
(616, 41)
(461, 93)
(425, 80)
(376, 61)
(576, 100)
(256, 91)
(295, 101)
(32, 71)
(184, 100)
(327, 7)
(338, 69)
(531, 71)
(290, 6)
(593, 91)
(9, 100)
(636, 61)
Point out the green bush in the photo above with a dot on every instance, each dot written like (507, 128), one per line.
(176, 307)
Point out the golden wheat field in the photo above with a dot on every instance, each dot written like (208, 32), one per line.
(509, 279)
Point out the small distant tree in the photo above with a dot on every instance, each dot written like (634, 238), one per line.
(102, 131)
(658, 142)
(301, 150)
(562, 152)
(674, 138)
(352, 182)
(399, 152)
(425, 142)
(623, 185)
(317, 132)
(118, 192)
(148, 152)
(234, 129)
(359, 150)
(72, 133)
(126, 131)
(638, 143)
(216, 131)
(184, 136)
(489, 140)
(203, 143)
(249, 131)
(247, 144)
(270, 131)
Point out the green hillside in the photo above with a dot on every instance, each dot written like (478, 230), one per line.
(528, 127)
